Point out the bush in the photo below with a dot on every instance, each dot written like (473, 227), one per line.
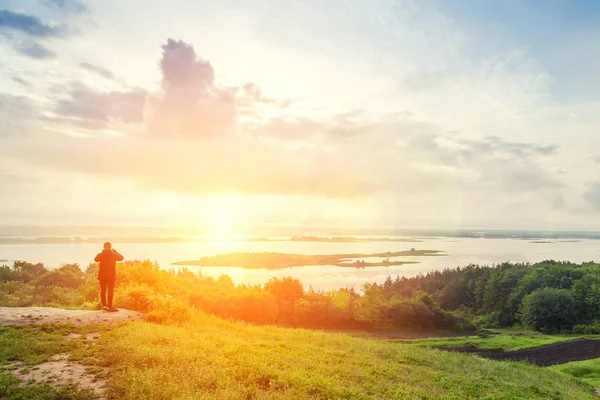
(491, 320)
(252, 305)
(593, 329)
(579, 329)
(166, 309)
(135, 297)
(465, 326)
(60, 277)
(549, 310)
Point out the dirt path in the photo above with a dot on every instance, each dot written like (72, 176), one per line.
(41, 315)
(551, 354)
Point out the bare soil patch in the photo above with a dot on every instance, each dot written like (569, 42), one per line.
(59, 371)
(44, 315)
(551, 354)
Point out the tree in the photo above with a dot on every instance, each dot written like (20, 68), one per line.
(28, 271)
(285, 289)
(549, 310)
(456, 294)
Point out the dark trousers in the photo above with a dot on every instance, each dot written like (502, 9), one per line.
(107, 285)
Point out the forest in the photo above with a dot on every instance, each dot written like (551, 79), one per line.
(549, 296)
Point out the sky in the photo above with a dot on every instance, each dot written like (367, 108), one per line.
(230, 115)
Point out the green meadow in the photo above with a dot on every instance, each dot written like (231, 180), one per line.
(500, 339)
(210, 358)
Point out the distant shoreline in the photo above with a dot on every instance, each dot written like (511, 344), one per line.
(77, 236)
(183, 239)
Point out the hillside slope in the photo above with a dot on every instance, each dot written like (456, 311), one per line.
(210, 358)
(215, 359)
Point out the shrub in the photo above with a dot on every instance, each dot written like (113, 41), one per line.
(166, 309)
(136, 297)
(549, 310)
(491, 320)
(592, 329)
(579, 329)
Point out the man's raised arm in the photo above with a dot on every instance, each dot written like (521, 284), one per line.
(98, 257)
(119, 255)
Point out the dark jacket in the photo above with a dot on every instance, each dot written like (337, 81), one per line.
(108, 261)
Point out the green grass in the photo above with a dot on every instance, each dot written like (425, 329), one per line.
(588, 371)
(35, 344)
(12, 388)
(215, 359)
(500, 339)
(32, 345)
(210, 358)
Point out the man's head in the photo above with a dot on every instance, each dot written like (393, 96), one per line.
(107, 246)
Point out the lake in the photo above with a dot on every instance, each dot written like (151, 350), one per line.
(457, 252)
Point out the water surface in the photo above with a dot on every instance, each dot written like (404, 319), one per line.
(457, 252)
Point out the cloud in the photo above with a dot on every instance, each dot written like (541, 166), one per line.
(493, 145)
(98, 108)
(290, 129)
(386, 156)
(273, 150)
(517, 178)
(29, 24)
(191, 105)
(103, 72)
(399, 154)
(35, 50)
(20, 81)
(9, 180)
(181, 67)
(217, 166)
(592, 195)
(67, 6)
(343, 126)
(495, 165)
(457, 151)
(18, 114)
(250, 95)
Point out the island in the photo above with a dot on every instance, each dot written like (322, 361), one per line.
(351, 239)
(271, 260)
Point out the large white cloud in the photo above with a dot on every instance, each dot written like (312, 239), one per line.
(190, 105)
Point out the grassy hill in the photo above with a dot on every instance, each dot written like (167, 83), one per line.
(210, 358)
(587, 371)
(501, 339)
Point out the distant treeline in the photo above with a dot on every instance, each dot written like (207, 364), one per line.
(77, 239)
(125, 239)
(549, 296)
(179, 239)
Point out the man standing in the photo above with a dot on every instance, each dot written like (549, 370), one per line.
(107, 274)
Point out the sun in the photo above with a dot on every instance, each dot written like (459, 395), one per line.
(221, 223)
(222, 216)
(224, 223)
